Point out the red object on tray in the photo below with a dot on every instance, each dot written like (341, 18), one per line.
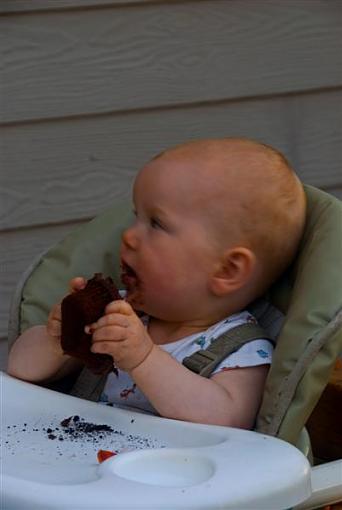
(103, 455)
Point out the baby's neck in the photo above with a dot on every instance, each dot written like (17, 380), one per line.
(164, 332)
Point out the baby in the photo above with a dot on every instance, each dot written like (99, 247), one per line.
(216, 222)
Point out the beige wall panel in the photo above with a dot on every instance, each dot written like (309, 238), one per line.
(18, 249)
(64, 63)
(20, 6)
(64, 171)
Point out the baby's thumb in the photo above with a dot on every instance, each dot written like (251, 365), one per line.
(77, 283)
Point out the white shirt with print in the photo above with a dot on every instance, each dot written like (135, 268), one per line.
(120, 390)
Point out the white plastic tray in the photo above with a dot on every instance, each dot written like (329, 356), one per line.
(160, 463)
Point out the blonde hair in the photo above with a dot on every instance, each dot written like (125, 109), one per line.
(274, 214)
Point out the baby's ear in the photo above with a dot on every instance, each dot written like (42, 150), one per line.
(235, 270)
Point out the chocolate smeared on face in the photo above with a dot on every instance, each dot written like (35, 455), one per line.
(128, 276)
(133, 285)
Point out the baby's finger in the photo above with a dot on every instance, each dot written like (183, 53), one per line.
(103, 348)
(114, 319)
(54, 328)
(119, 306)
(55, 313)
(113, 333)
(77, 283)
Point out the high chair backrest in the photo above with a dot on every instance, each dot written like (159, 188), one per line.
(310, 295)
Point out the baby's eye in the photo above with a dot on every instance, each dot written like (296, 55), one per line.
(155, 223)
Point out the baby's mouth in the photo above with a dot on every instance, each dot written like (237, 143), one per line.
(133, 285)
(129, 277)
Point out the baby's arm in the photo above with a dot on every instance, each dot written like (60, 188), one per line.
(37, 355)
(230, 397)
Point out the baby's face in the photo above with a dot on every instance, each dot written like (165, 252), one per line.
(167, 254)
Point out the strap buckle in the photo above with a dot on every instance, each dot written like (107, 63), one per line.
(202, 362)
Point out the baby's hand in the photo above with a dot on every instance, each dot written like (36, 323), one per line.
(54, 322)
(121, 334)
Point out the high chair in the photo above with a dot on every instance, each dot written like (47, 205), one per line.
(309, 295)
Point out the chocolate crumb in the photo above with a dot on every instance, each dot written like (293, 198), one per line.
(75, 427)
(66, 421)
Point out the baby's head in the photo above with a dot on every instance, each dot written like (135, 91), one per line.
(244, 207)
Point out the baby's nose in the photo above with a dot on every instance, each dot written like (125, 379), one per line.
(130, 238)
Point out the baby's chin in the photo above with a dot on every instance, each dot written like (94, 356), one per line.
(135, 299)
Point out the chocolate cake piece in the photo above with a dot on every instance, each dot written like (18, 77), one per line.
(80, 309)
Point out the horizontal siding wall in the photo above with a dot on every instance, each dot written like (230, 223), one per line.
(72, 169)
(94, 89)
(20, 6)
(69, 63)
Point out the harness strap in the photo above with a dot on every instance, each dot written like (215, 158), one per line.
(89, 385)
(203, 362)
